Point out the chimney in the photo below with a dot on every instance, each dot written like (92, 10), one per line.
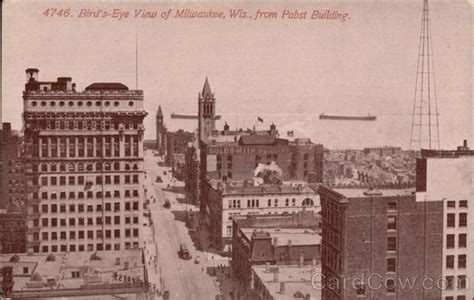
(282, 288)
(31, 74)
(275, 241)
(275, 275)
(301, 260)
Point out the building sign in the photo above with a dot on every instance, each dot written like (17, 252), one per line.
(244, 150)
(211, 163)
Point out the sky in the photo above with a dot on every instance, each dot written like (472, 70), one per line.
(287, 71)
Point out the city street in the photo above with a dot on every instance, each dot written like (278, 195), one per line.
(184, 279)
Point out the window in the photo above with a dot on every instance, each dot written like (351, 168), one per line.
(391, 264)
(450, 261)
(451, 220)
(360, 288)
(392, 206)
(463, 203)
(461, 297)
(392, 223)
(72, 180)
(449, 282)
(462, 261)
(390, 285)
(308, 202)
(391, 244)
(462, 219)
(450, 241)
(462, 241)
(462, 282)
(451, 204)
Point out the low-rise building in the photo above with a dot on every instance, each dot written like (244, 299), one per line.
(384, 151)
(275, 240)
(75, 275)
(285, 282)
(228, 199)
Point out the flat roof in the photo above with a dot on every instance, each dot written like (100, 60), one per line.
(31, 272)
(359, 193)
(297, 236)
(296, 280)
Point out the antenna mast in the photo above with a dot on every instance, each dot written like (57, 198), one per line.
(425, 123)
(136, 61)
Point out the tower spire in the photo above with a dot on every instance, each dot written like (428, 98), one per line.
(425, 122)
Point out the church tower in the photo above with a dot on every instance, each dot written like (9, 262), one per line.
(160, 132)
(206, 112)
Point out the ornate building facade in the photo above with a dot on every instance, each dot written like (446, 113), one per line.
(84, 165)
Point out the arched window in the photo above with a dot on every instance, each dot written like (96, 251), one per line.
(62, 168)
(80, 167)
(71, 167)
(116, 166)
(107, 166)
(307, 202)
(53, 168)
(98, 166)
(127, 167)
(44, 168)
(135, 166)
(90, 167)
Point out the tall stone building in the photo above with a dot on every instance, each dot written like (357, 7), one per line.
(84, 155)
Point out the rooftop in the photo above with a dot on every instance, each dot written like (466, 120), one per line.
(297, 236)
(242, 188)
(296, 279)
(359, 193)
(100, 86)
(75, 271)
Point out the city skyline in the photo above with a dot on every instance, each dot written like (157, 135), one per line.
(309, 73)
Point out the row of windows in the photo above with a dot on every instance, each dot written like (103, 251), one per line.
(462, 220)
(450, 241)
(270, 203)
(81, 247)
(460, 297)
(78, 103)
(460, 282)
(452, 204)
(85, 147)
(79, 166)
(462, 258)
(71, 180)
(89, 234)
(54, 208)
(83, 195)
(55, 222)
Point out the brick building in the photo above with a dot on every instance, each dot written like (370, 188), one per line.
(84, 156)
(191, 174)
(12, 193)
(275, 240)
(176, 145)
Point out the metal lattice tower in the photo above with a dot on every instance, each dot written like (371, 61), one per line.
(425, 123)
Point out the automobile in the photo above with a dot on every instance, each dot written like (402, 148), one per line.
(184, 252)
(167, 204)
(197, 260)
(158, 179)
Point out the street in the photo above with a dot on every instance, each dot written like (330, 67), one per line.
(184, 279)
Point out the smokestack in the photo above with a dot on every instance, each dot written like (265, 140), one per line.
(275, 275)
(465, 143)
(31, 74)
(282, 288)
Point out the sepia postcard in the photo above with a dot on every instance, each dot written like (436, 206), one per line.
(234, 150)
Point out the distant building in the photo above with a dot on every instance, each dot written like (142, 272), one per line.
(444, 178)
(13, 193)
(176, 146)
(85, 168)
(244, 198)
(78, 275)
(285, 282)
(384, 151)
(191, 174)
(275, 240)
